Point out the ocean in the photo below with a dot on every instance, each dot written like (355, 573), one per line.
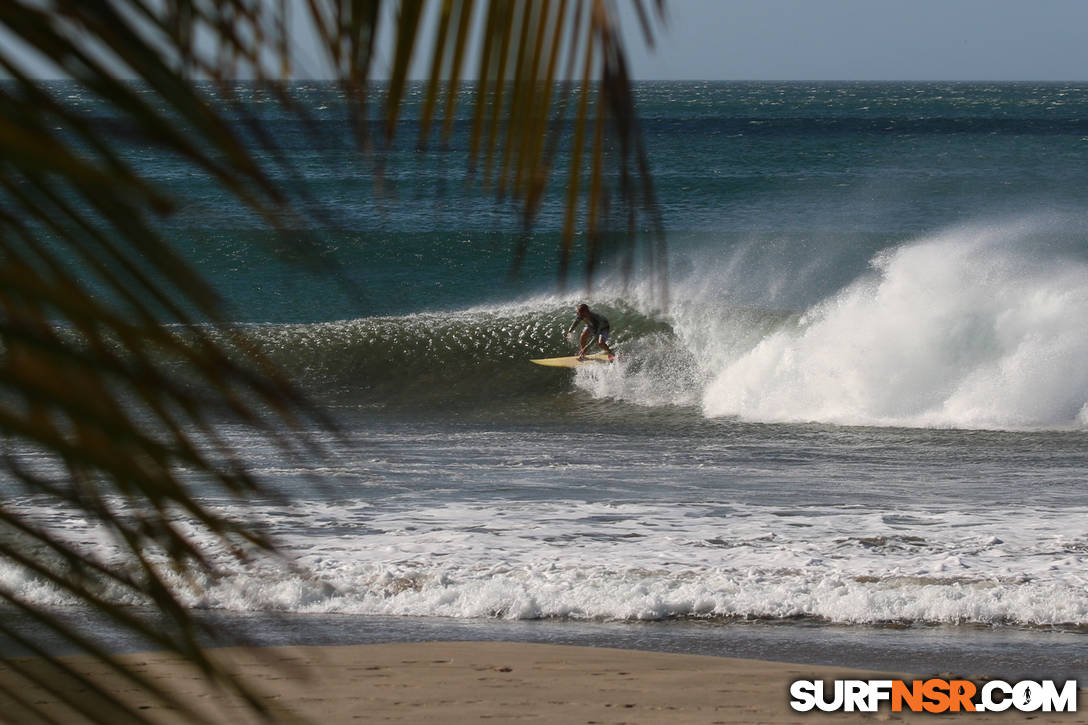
(855, 432)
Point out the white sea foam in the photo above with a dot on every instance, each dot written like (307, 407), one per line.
(652, 561)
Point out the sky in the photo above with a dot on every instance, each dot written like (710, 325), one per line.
(982, 40)
(867, 40)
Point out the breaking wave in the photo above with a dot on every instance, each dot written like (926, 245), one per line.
(963, 330)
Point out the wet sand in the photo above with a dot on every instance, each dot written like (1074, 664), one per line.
(468, 682)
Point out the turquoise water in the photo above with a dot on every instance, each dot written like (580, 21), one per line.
(798, 178)
(862, 411)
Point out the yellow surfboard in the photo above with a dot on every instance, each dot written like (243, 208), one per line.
(572, 361)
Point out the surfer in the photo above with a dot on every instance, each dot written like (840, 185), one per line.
(596, 328)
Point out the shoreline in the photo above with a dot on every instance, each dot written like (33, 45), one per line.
(1004, 652)
(472, 681)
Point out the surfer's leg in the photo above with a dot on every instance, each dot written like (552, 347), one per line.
(603, 344)
(583, 340)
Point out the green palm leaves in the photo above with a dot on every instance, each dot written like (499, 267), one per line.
(117, 368)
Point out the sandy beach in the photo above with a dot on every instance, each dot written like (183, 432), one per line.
(463, 682)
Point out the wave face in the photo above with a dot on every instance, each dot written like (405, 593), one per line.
(966, 329)
(469, 357)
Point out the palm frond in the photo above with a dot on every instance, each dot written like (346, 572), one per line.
(117, 363)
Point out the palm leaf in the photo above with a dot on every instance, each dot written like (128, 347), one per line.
(117, 363)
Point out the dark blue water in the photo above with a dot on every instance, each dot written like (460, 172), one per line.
(811, 174)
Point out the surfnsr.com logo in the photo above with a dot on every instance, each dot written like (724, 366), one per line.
(933, 695)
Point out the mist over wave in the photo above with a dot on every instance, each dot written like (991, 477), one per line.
(965, 329)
